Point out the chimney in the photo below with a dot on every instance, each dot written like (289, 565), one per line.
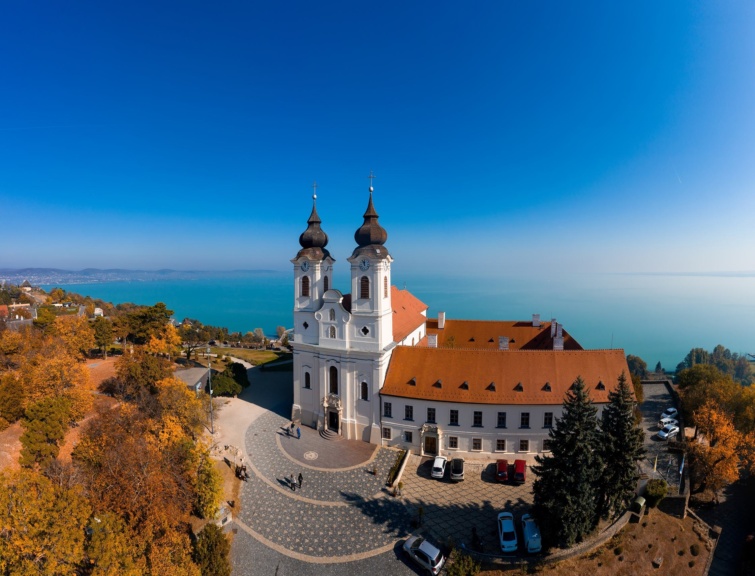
(558, 343)
(503, 342)
(432, 340)
(441, 320)
(536, 320)
(553, 327)
(560, 331)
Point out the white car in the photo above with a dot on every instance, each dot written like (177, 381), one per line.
(666, 421)
(668, 432)
(439, 467)
(425, 554)
(507, 532)
(669, 413)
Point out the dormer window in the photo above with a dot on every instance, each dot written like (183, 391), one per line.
(412, 382)
(438, 384)
(547, 387)
(600, 385)
(519, 387)
(332, 315)
(464, 385)
(491, 387)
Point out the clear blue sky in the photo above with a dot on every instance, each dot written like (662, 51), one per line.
(515, 135)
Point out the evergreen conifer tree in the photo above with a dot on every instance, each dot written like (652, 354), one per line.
(565, 491)
(621, 446)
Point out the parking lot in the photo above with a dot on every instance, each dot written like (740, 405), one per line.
(658, 462)
(452, 509)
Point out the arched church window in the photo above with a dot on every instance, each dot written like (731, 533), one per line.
(305, 286)
(385, 286)
(333, 380)
(332, 315)
(364, 287)
(326, 283)
(364, 391)
(332, 332)
(307, 380)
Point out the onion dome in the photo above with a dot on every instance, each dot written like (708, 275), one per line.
(313, 240)
(371, 236)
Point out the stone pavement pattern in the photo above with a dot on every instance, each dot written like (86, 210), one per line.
(452, 509)
(336, 514)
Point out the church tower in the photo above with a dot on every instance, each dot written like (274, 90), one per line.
(371, 310)
(313, 270)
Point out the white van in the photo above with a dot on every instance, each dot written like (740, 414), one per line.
(531, 534)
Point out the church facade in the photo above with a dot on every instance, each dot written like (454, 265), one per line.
(370, 365)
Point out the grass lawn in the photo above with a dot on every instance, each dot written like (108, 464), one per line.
(256, 357)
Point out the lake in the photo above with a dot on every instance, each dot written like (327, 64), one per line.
(656, 317)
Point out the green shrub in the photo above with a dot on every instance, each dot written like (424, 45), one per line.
(655, 492)
(212, 552)
(462, 565)
(396, 467)
(694, 549)
(618, 550)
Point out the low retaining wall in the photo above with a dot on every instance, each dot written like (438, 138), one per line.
(714, 533)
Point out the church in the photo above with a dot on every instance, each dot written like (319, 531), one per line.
(370, 365)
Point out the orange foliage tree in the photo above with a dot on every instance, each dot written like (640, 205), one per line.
(76, 333)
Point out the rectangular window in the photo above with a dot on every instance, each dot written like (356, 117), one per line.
(454, 418)
(477, 444)
(548, 420)
(501, 420)
(453, 442)
(408, 437)
(524, 445)
(477, 423)
(408, 412)
(387, 410)
(386, 433)
(547, 445)
(525, 422)
(431, 415)
(500, 445)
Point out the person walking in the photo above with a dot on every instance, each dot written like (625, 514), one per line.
(298, 433)
(292, 483)
(301, 479)
(292, 428)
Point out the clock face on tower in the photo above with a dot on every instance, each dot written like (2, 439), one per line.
(364, 264)
(305, 266)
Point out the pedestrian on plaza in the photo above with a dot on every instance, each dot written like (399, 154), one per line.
(292, 483)
(298, 433)
(291, 428)
(301, 479)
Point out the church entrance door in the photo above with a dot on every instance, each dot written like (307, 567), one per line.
(431, 445)
(333, 420)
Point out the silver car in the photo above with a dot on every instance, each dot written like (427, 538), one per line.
(668, 432)
(439, 467)
(427, 555)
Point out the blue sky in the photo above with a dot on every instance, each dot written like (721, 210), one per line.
(517, 136)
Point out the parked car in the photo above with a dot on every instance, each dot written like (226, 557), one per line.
(530, 534)
(502, 470)
(457, 469)
(669, 413)
(520, 471)
(507, 532)
(427, 555)
(666, 421)
(668, 432)
(439, 467)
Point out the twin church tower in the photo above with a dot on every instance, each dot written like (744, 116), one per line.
(342, 342)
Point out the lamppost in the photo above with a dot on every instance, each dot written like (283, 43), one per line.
(209, 383)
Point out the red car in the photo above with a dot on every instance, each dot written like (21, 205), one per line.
(520, 471)
(502, 470)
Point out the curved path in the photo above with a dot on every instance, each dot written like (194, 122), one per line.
(339, 515)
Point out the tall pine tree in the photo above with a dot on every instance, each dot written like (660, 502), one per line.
(621, 446)
(565, 491)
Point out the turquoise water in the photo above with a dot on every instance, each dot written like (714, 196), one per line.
(659, 318)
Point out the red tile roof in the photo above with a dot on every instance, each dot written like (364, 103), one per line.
(483, 334)
(407, 313)
(441, 374)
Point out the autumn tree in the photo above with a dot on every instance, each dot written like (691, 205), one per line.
(209, 485)
(620, 447)
(194, 336)
(637, 366)
(258, 337)
(212, 552)
(565, 490)
(45, 319)
(45, 426)
(715, 456)
(147, 321)
(140, 371)
(42, 526)
(166, 342)
(76, 333)
(702, 383)
(12, 400)
(103, 333)
(111, 547)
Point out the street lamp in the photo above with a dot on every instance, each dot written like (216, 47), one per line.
(209, 383)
